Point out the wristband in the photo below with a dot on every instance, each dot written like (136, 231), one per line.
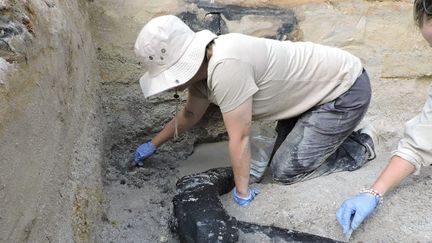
(375, 194)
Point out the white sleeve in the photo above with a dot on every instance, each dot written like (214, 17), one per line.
(231, 83)
(416, 145)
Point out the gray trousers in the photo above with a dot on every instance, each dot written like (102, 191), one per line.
(322, 140)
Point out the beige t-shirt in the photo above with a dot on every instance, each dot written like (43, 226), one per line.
(285, 78)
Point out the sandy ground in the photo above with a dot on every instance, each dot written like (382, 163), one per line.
(311, 206)
(308, 206)
(139, 203)
(139, 206)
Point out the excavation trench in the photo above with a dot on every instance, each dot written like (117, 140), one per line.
(169, 202)
(72, 114)
(139, 203)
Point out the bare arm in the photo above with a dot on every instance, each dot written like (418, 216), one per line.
(187, 118)
(395, 172)
(238, 123)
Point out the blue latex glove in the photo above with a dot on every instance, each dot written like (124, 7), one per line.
(143, 152)
(356, 209)
(253, 192)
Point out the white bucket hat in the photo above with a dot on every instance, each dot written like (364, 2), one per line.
(171, 52)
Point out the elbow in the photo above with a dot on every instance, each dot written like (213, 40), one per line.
(239, 138)
(241, 134)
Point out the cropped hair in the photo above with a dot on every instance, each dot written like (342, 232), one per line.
(419, 12)
(209, 50)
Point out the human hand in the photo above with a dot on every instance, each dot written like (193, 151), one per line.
(356, 209)
(253, 192)
(143, 152)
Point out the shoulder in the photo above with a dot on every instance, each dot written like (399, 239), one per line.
(229, 44)
(229, 69)
(228, 49)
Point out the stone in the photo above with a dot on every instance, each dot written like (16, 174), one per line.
(5, 4)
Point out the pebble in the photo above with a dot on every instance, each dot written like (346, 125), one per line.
(163, 239)
(5, 4)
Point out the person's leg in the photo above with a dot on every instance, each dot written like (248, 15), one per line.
(322, 140)
(283, 128)
(351, 155)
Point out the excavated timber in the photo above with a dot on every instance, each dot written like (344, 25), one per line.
(200, 216)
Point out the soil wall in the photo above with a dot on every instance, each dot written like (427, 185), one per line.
(50, 126)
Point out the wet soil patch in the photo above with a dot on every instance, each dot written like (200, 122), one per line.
(138, 202)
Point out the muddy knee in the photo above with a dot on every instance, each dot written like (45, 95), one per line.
(290, 170)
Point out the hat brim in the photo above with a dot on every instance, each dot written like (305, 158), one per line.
(182, 71)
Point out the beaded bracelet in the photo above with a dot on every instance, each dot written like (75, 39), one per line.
(374, 193)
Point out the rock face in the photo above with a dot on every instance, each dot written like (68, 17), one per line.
(50, 127)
